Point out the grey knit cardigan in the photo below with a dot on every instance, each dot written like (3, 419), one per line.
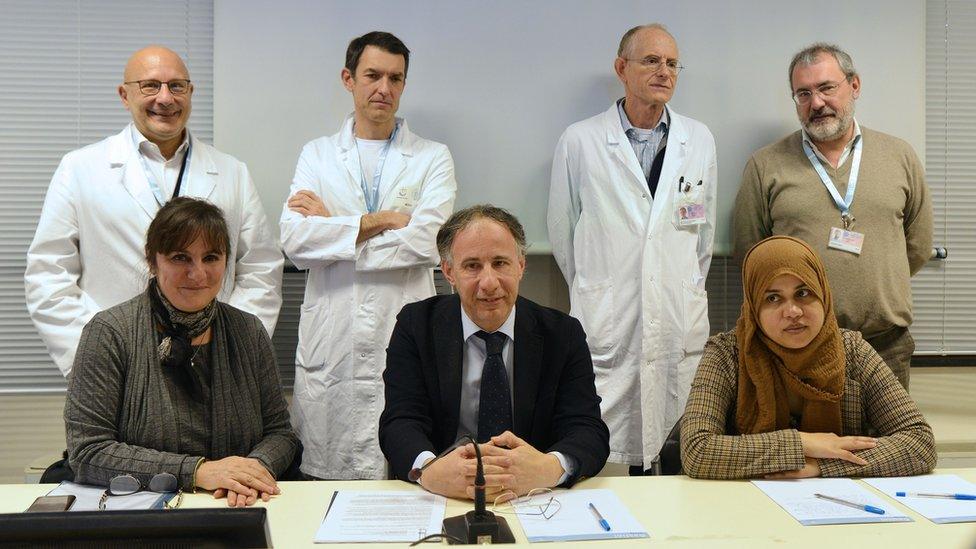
(119, 415)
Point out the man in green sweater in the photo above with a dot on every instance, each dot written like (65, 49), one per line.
(857, 196)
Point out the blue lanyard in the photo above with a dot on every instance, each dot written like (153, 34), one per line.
(843, 204)
(372, 193)
(154, 186)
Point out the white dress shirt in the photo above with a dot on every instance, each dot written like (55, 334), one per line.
(164, 172)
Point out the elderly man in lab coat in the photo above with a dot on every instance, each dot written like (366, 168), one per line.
(631, 220)
(88, 251)
(362, 217)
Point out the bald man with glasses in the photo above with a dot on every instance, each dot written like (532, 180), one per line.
(856, 195)
(87, 253)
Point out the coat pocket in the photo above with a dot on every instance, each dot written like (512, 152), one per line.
(695, 302)
(314, 331)
(594, 308)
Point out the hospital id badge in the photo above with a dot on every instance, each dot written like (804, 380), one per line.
(690, 207)
(848, 241)
(405, 199)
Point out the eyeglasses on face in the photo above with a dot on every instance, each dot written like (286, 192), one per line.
(827, 89)
(124, 485)
(152, 87)
(654, 63)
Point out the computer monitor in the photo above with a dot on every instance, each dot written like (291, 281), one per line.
(205, 528)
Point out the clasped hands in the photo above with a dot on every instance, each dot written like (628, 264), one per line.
(241, 480)
(308, 204)
(818, 446)
(511, 465)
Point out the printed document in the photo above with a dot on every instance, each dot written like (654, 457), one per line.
(357, 516)
(797, 497)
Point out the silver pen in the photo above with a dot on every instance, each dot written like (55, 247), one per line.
(861, 506)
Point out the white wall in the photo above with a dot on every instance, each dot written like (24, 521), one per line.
(499, 80)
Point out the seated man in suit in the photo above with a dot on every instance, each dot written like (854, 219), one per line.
(489, 363)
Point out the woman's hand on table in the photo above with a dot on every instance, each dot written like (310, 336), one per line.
(242, 480)
(239, 500)
(810, 470)
(831, 446)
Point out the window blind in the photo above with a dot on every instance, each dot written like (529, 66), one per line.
(945, 291)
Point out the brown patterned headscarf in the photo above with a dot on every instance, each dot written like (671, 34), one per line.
(769, 372)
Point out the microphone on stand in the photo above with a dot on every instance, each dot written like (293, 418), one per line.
(477, 526)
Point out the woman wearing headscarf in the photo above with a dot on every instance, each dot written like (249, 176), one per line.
(173, 381)
(788, 394)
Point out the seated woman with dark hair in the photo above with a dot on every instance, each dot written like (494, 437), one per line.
(173, 381)
(787, 394)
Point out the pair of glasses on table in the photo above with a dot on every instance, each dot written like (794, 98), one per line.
(538, 502)
(126, 485)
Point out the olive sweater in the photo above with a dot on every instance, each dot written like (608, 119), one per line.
(124, 415)
(781, 194)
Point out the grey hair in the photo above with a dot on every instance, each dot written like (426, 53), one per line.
(808, 56)
(628, 37)
(463, 218)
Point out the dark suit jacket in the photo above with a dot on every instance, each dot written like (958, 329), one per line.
(555, 400)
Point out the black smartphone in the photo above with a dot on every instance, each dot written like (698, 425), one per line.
(51, 504)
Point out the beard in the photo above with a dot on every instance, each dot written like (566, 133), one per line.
(830, 128)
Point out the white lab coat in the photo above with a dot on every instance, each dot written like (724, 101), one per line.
(88, 251)
(636, 280)
(353, 292)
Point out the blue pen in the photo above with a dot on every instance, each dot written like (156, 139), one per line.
(603, 522)
(861, 506)
(969, 497)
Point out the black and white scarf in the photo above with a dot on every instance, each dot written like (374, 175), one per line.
(179, 328)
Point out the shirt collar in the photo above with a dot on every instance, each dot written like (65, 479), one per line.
(150, 149)
(469, 328)
(847, 149)
(662, 124)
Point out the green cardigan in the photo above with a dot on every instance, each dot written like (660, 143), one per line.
(120, 416)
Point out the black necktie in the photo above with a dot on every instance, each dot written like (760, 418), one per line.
(655, 171)
(495, 406)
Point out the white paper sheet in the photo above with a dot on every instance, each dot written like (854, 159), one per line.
(938, 510)
(359, 516)
(575, 521)
(797, 498)
(86, 498)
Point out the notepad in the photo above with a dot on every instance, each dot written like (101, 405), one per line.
(938, 510)
(87, 498)
(797, 498)
(575, 521)
(359, 516)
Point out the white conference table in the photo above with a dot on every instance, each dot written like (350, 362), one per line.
(677, 512)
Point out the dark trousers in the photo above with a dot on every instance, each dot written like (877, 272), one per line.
(896, 347)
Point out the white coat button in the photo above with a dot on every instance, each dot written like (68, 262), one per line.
(643, 196)
(362, 355)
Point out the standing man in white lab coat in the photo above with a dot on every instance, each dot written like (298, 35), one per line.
(362, 218)
(88, 251)
(631, 221)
